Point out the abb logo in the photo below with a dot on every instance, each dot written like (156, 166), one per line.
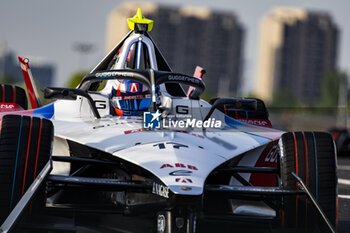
(179, 165)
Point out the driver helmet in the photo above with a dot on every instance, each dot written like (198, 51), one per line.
(130, 98)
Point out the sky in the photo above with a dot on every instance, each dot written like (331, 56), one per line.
(47, 30)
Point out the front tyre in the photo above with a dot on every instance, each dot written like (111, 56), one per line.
(25, 148)
(311, 156)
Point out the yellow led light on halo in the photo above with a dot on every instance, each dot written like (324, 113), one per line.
(139, 19)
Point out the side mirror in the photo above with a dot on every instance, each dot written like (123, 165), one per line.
(60, 93)
(70, 94)
(249, 105)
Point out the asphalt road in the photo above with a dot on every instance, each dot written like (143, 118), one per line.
(93, 223)
(343, 204)
(344, 194)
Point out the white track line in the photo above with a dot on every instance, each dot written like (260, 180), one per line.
(343, 181)
(344, 196)
(343, 167)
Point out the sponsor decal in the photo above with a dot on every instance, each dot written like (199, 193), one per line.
(272, 155)
(183, 78)
(160, 190)
(115, 73)
(268, 158)
(131, 97)
(179, 165)
(257, 122)
(7, 106)
(161, 223)
(151, 120)
(10, 107)
(180, 173)
(183, 180)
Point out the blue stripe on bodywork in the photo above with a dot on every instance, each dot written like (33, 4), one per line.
(46, 111)
(16, 162)
(232, 122)
(235, 124)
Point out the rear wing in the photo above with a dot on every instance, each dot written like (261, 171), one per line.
(29, 81)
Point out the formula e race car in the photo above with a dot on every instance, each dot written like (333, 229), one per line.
(134, 149)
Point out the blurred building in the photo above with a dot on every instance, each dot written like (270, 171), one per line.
(190, 36)
(9, 68)
(297, 48)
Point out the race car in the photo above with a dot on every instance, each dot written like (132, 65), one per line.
(135, 140)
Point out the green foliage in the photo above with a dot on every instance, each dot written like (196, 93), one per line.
(330, 85)
(283, 99)
(207, 96)
(76, 78)
(6, 79)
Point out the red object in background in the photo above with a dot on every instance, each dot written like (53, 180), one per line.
(198, 73)
(28, 79)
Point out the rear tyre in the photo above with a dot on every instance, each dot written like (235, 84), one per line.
(13, 94)
(312, 156)
(25, 148)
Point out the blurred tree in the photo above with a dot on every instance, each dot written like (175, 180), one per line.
(283, 99)
(207, 96)
(6, 79)
(330, 88)
(76, 78)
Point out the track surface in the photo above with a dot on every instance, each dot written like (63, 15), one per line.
(344, 194)
(344, 206)
(93, 223)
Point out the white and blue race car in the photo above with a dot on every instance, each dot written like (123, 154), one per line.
(135, 139)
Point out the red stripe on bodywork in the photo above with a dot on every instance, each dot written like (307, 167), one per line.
(25, 166)
(38, 149)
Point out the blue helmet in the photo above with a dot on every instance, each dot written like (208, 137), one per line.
(130, 98)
